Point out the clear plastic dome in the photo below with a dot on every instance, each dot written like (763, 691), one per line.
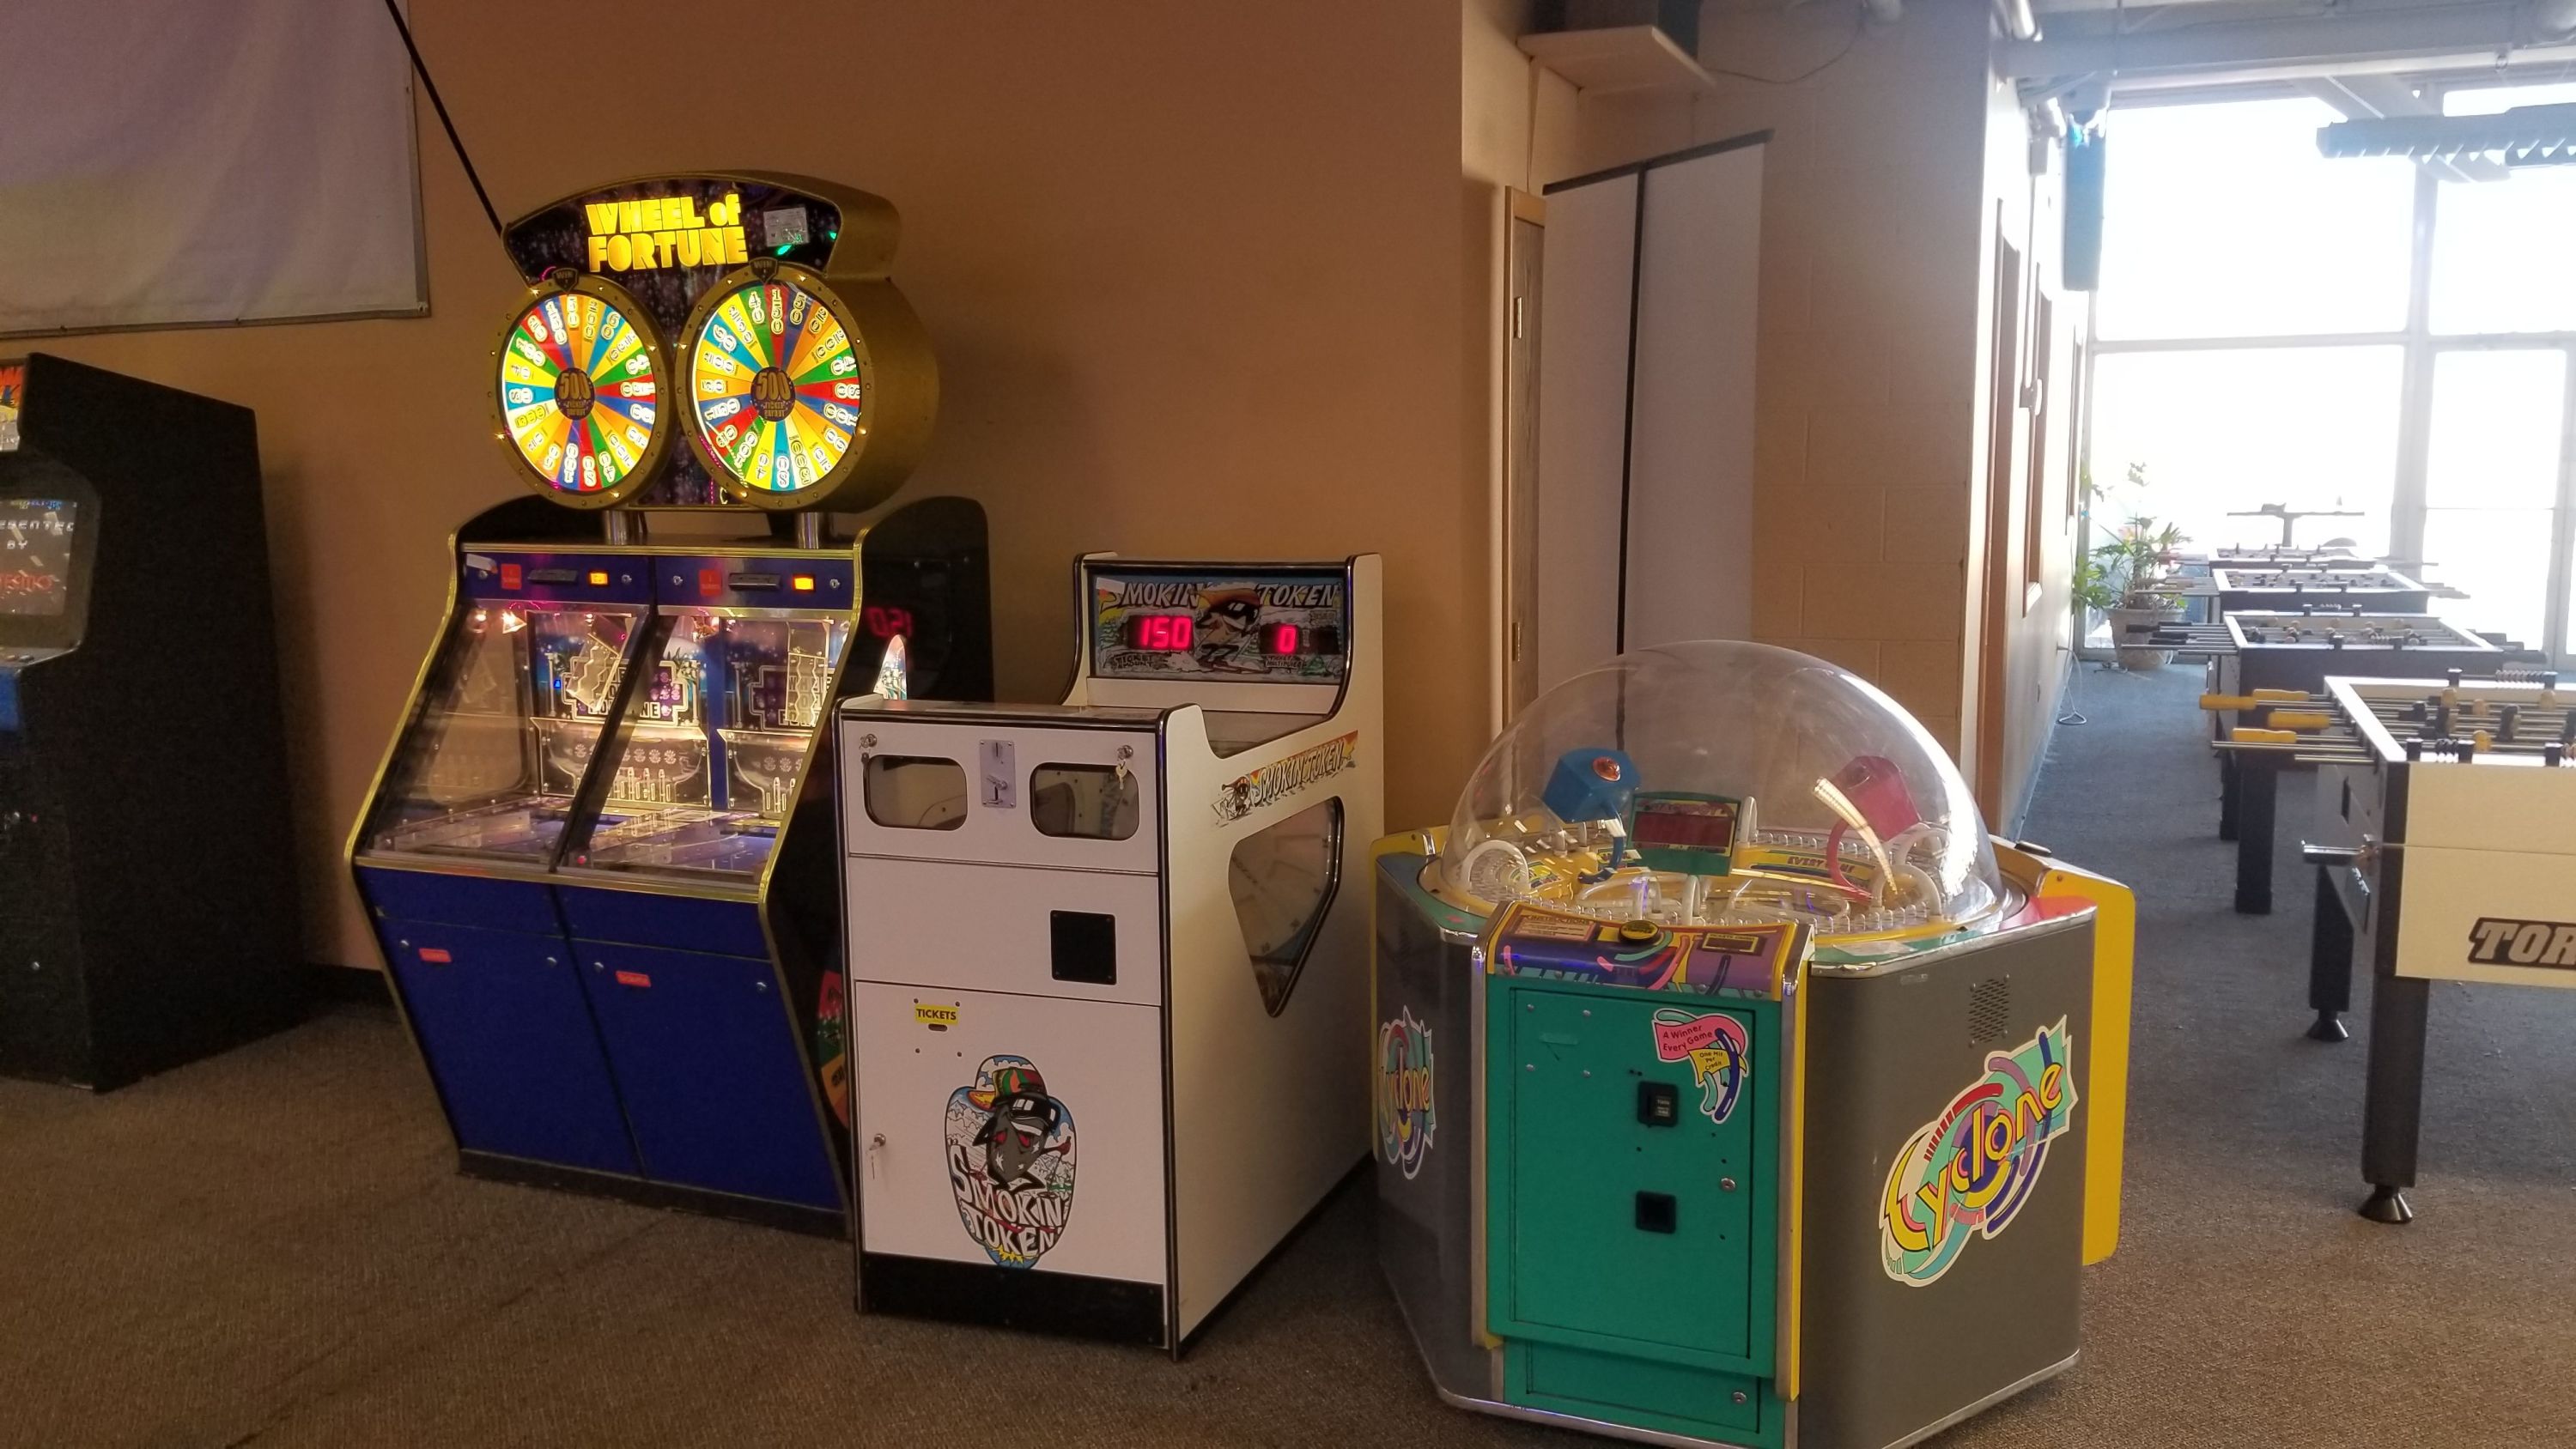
(1719, 781)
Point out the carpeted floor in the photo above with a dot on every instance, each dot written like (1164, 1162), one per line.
(272, 1248)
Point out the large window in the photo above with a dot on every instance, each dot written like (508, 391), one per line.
(2268, 331)
(2500, 248)
(2222, 221)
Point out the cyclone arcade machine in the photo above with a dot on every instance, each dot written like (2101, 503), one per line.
(599, 855)
(1733, 1086)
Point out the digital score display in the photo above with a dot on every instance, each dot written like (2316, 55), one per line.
(1695, 824)
(1160, 633)
(887, 621)
(35, 555)
(1248, 624)
(1172, 633)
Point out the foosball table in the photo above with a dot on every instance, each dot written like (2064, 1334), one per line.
(2372, 586)
(2265, 680)
(2446, 851)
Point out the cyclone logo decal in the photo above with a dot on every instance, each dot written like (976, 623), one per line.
(1404, 1115)
(1971, 1170)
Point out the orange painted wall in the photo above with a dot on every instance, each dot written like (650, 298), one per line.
(1194, 273)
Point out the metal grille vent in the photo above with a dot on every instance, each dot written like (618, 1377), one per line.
(1989, 1010)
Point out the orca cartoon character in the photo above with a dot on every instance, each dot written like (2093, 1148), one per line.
(1011, 1161)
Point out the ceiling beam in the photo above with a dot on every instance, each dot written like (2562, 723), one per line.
(2378, 97)
(2357, 41)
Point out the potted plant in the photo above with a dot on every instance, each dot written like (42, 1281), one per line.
(2125, 579)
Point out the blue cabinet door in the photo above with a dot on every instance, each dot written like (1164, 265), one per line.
(707, 1061)
(510, 1042)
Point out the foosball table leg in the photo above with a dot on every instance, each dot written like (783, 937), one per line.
(2329, 963)
(2392, 1114)
(2227, 777)
(2257, 788)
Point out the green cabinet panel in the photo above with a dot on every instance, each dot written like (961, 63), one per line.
(1612, 1233)
(1642, 1393)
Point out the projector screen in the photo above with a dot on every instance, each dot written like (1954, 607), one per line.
(165, 165)
(1645, 411)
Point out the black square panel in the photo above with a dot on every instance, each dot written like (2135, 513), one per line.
(1657, 1212)
(1084, 946)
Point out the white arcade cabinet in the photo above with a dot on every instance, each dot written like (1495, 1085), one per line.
(1109, 989)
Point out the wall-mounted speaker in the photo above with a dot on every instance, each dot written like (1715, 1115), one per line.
(1676, 18)
(2082, 264)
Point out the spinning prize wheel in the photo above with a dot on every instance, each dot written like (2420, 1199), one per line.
(580, 391)
(780, 386)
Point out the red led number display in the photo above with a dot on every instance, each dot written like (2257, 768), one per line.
(1280, 638)
(885, 621)
(1160, 631)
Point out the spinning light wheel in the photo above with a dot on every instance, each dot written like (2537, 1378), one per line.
(579, 386)
(779, 385)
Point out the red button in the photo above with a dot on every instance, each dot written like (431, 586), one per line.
(633, 978)
(435, 955)
(511, 576)
(711, 581)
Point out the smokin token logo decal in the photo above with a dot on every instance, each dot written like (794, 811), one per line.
(1010, 1161)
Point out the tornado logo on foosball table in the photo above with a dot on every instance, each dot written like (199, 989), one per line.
(1971, 1170)
(1010, 1161)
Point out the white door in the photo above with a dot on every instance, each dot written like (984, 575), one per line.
(1024, 1131)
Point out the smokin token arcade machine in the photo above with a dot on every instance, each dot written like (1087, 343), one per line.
(1122, 937)
(599, 857)
(132, 540)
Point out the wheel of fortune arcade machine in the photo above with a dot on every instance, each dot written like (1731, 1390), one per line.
(1732, 1086)
(599, 855)
(147, 893)
(1124, 949)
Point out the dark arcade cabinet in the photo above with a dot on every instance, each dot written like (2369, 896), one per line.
(138, 683)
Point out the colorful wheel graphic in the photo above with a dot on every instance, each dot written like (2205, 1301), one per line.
(778, 389)
(580, 393)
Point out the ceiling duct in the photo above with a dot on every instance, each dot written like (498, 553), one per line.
(2523, 136)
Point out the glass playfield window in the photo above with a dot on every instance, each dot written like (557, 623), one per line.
(1086, 802)
(915, 792)
(1283, 878)
(504, 732)
(712, 753)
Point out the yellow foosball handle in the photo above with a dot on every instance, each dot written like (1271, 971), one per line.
(2246, 736)
(2259, 699)
(2296, 719)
